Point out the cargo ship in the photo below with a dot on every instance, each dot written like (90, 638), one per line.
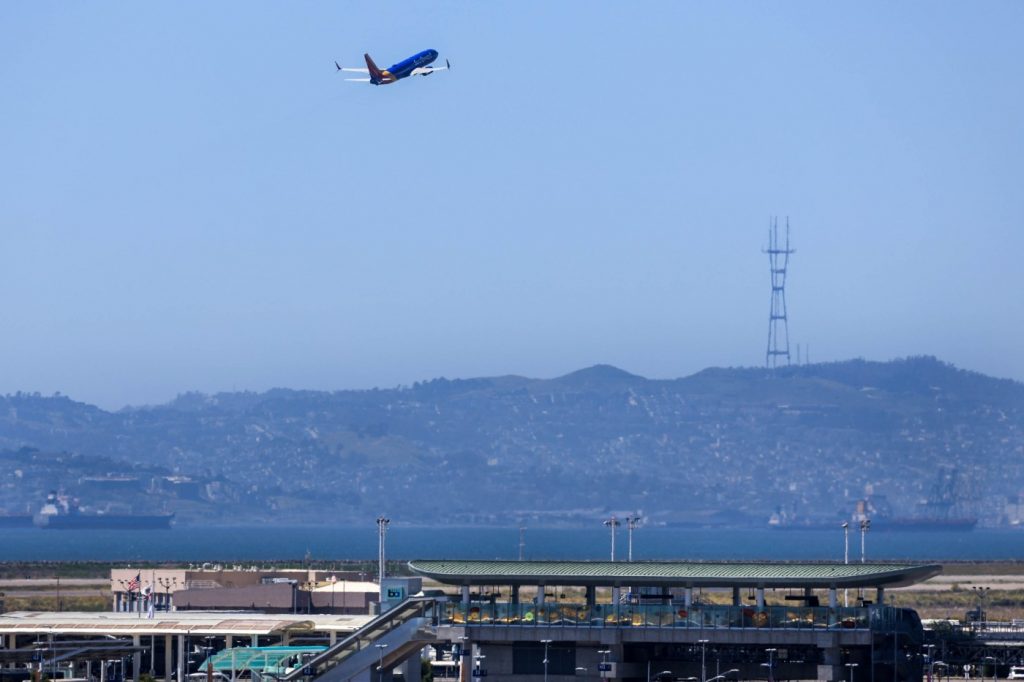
(60, 512)
(15, 520)
(936, 513)
(878, 523)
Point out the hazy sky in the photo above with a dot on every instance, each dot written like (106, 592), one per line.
(191, 198)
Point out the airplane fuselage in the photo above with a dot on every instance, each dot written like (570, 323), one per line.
(404, 68)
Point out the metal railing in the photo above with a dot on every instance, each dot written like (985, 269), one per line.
(659, 615)
(364, 637)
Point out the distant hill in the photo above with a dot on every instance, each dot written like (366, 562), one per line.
(720, 446)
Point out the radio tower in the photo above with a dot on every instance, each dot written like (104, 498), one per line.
(778, 324)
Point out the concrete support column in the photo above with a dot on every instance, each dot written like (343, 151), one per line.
(229, 641)
(465, 594)
(590, 595)
(833, 600)
(736, 597)
(286, 639)
(615, 597)
(181, 658)
(465, 660)
(831, 668)
(760, 597)
(12, 642)
(136, 658)
(688, 597)
(880, 596)
(514, 595)
(540, 594)
(103, 671)
(334, 637)
(168, 651)
(117, 602)
(410, 667)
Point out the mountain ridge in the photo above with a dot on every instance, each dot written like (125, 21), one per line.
(810, 438)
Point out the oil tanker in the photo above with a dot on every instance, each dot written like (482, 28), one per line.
(60, 512)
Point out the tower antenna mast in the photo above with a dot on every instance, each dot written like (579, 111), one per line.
(778, 322)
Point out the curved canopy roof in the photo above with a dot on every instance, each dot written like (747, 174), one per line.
(673, 573)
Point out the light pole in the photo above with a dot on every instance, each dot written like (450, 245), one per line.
(851, 666)
(613, 523)
(703, 662)
(631, 523)
(604, 666)
(382, 529)
(846, 559)
(380, 664)
(771, 663)
(478, 669)
(865, 525)
(546, 642)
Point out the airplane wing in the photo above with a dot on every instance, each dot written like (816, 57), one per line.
(427, 70)
(350, 68)
(358, 80)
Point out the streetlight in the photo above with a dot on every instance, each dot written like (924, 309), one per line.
(846, 559)
(631, 523)
(703, 667)
(604, 666)
(167, 584)
(613, 523)
(546, 642)
(771, 663)
(380, 665)
(851, 666)
(382, 529)
(865, 525)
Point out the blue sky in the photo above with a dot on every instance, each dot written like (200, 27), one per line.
(192, 199)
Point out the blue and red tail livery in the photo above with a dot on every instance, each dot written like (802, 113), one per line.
(416, 65)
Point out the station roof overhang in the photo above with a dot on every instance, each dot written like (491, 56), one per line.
(176, 623)
(792, 575)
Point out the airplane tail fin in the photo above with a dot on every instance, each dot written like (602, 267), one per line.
(375, 75)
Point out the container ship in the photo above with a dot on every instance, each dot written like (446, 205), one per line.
(60, 512)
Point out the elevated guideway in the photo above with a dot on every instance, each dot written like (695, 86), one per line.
(392, 638)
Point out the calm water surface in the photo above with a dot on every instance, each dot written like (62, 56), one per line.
(247, 543)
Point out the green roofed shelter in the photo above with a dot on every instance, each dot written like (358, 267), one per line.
(808, 575)
(272, 659)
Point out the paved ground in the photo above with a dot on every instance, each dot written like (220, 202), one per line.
(46, 582)
(966, 582)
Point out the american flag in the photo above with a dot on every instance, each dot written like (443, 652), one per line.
(134, 583)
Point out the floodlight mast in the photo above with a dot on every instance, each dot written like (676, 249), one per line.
(382, 529)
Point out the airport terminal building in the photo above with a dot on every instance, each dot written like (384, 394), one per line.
(528, 621)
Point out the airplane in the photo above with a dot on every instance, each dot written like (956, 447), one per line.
(416, 65)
